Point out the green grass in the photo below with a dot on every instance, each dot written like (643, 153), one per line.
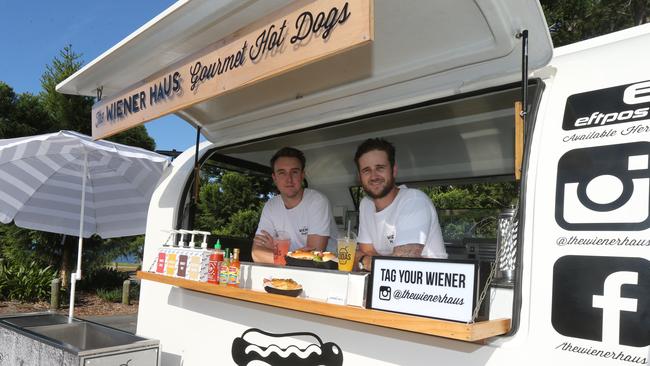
(112, 295)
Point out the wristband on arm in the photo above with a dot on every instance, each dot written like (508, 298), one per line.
(361, 266)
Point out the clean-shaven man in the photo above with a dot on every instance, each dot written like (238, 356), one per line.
(304, 214)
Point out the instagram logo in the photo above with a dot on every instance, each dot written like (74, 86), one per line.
(384, 292)
(604, 188)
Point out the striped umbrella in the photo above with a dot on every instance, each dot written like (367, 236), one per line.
(66, 183)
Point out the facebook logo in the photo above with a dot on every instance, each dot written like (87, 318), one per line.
(604, 299)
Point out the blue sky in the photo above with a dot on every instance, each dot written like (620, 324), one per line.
(33, 33)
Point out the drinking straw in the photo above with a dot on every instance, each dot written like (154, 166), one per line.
(349, 224)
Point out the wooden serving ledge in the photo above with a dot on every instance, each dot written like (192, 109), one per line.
(455, 330)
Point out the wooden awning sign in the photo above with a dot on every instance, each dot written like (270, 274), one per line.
(301, 33)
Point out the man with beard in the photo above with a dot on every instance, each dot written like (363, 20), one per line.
(394, 221)
(303, 213)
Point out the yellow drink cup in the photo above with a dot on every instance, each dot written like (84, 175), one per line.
(347, 247)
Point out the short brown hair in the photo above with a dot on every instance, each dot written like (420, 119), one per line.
(376, 144)
(288, 152)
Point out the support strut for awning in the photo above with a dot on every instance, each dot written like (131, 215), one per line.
(194, 193)
(197, 169)
(521, 107)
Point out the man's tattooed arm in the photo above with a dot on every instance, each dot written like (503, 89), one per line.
(408, 250)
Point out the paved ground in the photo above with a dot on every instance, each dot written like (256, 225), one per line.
(124, 322)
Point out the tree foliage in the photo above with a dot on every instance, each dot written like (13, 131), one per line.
(242, 224)
(577, 20)
(471, 210)
(67, 112)
(73, 112)
(21, 114)
(27, 114)
(230, 203)
(473, 196)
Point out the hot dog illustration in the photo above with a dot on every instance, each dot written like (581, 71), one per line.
(258, 345)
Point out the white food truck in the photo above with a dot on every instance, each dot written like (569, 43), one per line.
(441, 81)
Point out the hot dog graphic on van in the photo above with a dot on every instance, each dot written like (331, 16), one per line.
(284, 349)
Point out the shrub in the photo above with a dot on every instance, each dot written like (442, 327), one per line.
(134, 293)
(25, 283)
(110, 295)
(103, 278)
(3, 282)
(115, 294)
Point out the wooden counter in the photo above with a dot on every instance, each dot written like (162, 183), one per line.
(442, 328)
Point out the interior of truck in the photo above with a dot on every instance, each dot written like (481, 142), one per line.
(458, 142)
(459, 150)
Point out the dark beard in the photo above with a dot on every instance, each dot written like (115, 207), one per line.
(384, 192)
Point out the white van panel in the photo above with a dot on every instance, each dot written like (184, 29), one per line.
(582, 261)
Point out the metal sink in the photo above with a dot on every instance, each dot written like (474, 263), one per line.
(74, 336)
(34, 319)
(86, 336)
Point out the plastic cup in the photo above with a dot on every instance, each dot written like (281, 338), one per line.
(281, 244)
(347, 248)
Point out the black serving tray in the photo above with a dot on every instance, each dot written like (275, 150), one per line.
(291, 261)
(277, 291)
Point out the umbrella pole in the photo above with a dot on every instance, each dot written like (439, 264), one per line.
(77, 275)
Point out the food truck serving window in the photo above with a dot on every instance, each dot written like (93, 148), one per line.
(459, 150)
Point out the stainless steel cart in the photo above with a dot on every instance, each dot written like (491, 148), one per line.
(48, 339)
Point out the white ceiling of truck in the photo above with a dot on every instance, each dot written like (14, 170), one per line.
(457, 139)
(422, 50)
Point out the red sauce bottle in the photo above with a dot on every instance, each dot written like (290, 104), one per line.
(216, 258)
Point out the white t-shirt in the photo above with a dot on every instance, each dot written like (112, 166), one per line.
(410, 219)
(312, 216)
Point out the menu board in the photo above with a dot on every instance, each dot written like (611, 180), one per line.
(435, 288)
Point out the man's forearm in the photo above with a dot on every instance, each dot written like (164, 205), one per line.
(316, 242)
(408, 250)
(262, 254)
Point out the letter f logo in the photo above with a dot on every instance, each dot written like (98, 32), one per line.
(603, 299)
(612, 303)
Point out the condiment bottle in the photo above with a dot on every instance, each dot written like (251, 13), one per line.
(224, 270)
(233, 279)
(162, 253)
(215, 262)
